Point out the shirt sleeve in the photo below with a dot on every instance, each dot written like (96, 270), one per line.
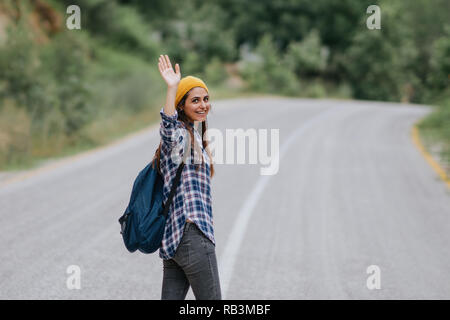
(172, 133)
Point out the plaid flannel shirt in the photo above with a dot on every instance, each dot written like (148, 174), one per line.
(192, 198)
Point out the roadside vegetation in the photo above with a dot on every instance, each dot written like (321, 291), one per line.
(63, 91)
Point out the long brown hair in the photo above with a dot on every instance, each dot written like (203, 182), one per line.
(183, 118)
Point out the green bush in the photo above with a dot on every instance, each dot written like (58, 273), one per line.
(436, 127)
(63, 85)
(192, 64)
(15, 134)
(306, 58)
(122, 81)
(207, 31)
(269, 73)
(200, 27)
(215, 72)
(119, 26)
(313, 89)
(439, 77)
(368, 71)
(64, 64)
(20, 65)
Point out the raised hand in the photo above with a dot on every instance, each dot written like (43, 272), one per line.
(172, 78)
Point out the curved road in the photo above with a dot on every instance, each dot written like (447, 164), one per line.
(352, 191)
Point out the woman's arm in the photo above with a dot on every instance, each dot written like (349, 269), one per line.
(172, 78)
(172, 134)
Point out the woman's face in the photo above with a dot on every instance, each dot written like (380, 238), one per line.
(197, 106)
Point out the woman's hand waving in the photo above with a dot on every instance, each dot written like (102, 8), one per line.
(172, 78)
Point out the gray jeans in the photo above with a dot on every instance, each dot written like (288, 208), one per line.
(194, 264)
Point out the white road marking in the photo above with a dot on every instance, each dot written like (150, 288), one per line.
(228, 257)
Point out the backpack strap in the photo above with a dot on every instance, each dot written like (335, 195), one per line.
(176, 180)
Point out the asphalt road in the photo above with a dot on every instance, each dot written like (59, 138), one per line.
(352, 191)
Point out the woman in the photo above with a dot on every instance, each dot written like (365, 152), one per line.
(188, 246)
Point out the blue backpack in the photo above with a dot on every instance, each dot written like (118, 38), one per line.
(144, 219)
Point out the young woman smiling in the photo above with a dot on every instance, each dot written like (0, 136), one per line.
(188, 246)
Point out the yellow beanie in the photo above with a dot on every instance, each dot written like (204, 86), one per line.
(186, 84)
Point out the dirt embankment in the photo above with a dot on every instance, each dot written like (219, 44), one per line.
(42, 20)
